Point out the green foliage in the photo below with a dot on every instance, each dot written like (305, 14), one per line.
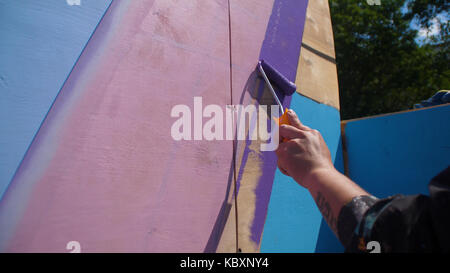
(381, 67)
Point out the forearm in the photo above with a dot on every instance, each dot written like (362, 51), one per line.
(332, 190)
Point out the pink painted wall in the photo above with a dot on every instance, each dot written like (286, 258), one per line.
(104, 169)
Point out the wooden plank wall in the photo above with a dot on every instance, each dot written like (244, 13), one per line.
(294, 224)
(104, 170)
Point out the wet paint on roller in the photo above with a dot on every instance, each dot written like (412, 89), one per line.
(40, 43)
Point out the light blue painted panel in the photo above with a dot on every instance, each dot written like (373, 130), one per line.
(40, 42)
(399, 153)
(293, 222)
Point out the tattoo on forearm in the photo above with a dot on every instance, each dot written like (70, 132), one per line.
(326, 211)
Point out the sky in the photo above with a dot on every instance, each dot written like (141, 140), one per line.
(424, 34)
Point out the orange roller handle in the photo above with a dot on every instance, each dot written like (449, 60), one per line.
(284, 119)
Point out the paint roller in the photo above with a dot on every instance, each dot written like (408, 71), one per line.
(284, 85)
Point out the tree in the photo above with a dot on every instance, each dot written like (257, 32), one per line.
(381, 67)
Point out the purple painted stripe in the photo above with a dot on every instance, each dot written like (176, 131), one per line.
(281, 48)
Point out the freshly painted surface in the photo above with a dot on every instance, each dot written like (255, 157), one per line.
(269, 30)
(104, 169)
(249, 24)
(293, 222)
(399, 152)
(40, 43)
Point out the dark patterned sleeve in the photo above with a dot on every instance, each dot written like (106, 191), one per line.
(351, 215)
(415, 223)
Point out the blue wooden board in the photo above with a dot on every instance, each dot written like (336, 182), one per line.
(294, 224)
(39, 46)
(391, 154)
(399, 153)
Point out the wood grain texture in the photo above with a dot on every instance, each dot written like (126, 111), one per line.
(318, 32)
(249, 20)
(316, 73)
(317, 79)
(104, 169)
(269, 30)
